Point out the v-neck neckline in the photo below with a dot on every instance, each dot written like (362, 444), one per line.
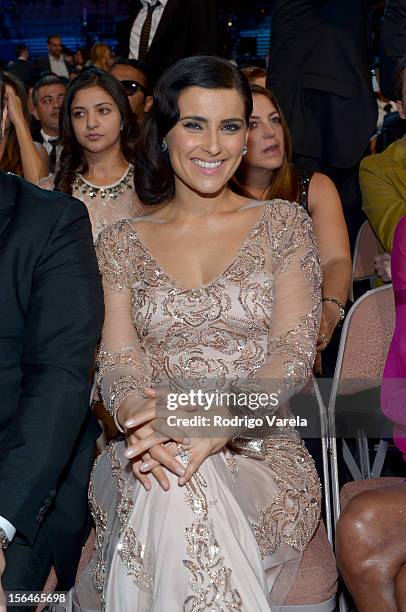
(178, 284)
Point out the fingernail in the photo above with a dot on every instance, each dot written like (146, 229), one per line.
(130, 423)
(186, 441)
(180, 471)
(129, 453)
(181, 482)
(144, 467)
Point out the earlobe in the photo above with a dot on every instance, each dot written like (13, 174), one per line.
(148, 104)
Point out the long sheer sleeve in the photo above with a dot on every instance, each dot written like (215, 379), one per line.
(297, 299)
(295, 294)
(123, 367)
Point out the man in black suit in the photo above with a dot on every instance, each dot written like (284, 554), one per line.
(51, 310)
(393, 44)
(54, 61)
(319, 71)
(160, 32)
(22, 67)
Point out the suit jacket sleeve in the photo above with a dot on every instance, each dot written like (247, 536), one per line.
(393, 44)
(63, 324)
(382, 200)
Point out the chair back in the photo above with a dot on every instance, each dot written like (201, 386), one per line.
(365, 341)
(367, 246)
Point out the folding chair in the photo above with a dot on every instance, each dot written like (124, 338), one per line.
(365, 339)
(316, 551)
(367, 246)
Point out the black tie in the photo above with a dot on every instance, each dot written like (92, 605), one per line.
(146, 31)
(52, 156)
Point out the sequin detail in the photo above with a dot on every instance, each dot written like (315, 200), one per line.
(105, 205)
(292, 518)
(256, 322)
(100, 520)
(131, 551)
(211, 581)
(133, 377)
(84, 188)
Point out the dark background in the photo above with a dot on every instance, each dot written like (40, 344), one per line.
(245, 25)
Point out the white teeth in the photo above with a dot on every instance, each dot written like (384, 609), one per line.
(204, 164)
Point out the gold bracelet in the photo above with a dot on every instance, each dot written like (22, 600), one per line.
(340, 305)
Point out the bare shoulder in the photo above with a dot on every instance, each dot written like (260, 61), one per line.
(321, 184)
(322, 192)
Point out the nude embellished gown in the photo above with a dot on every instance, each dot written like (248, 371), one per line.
(232, 539)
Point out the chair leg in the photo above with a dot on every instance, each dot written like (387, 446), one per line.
(380, 457)
(350, 462)
(342, 603)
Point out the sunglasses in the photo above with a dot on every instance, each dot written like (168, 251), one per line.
(131, 87)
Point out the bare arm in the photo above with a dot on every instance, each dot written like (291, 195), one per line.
(332, 238)
(33, 164)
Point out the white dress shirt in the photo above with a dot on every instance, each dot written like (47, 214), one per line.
(7, 527)
(47, 141)
(58, 66)
(139, 22)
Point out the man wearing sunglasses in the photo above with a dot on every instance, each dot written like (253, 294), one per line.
(133, 75)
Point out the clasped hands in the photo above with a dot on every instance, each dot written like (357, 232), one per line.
(153, 449)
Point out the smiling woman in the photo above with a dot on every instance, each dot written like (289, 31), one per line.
(209, 291)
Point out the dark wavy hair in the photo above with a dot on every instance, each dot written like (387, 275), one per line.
(153, 176)
(72, 156)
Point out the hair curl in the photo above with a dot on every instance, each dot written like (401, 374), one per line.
(153, 176)
(72, 157)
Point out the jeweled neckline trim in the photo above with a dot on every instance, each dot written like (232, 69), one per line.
(111, 185)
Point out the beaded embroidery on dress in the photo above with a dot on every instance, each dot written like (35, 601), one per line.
(233, 537)
(107, 204)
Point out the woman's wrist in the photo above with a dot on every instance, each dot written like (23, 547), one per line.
(126, 409)
(337, 303)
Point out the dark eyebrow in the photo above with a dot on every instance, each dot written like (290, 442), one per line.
(194, 117)
(204, 120)
(100, 104)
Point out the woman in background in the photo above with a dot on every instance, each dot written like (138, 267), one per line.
(266, 172)
(18, 152)
(98, 141)
(101, 56)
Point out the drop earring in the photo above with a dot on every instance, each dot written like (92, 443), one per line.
(164, 145)
(245, 150)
